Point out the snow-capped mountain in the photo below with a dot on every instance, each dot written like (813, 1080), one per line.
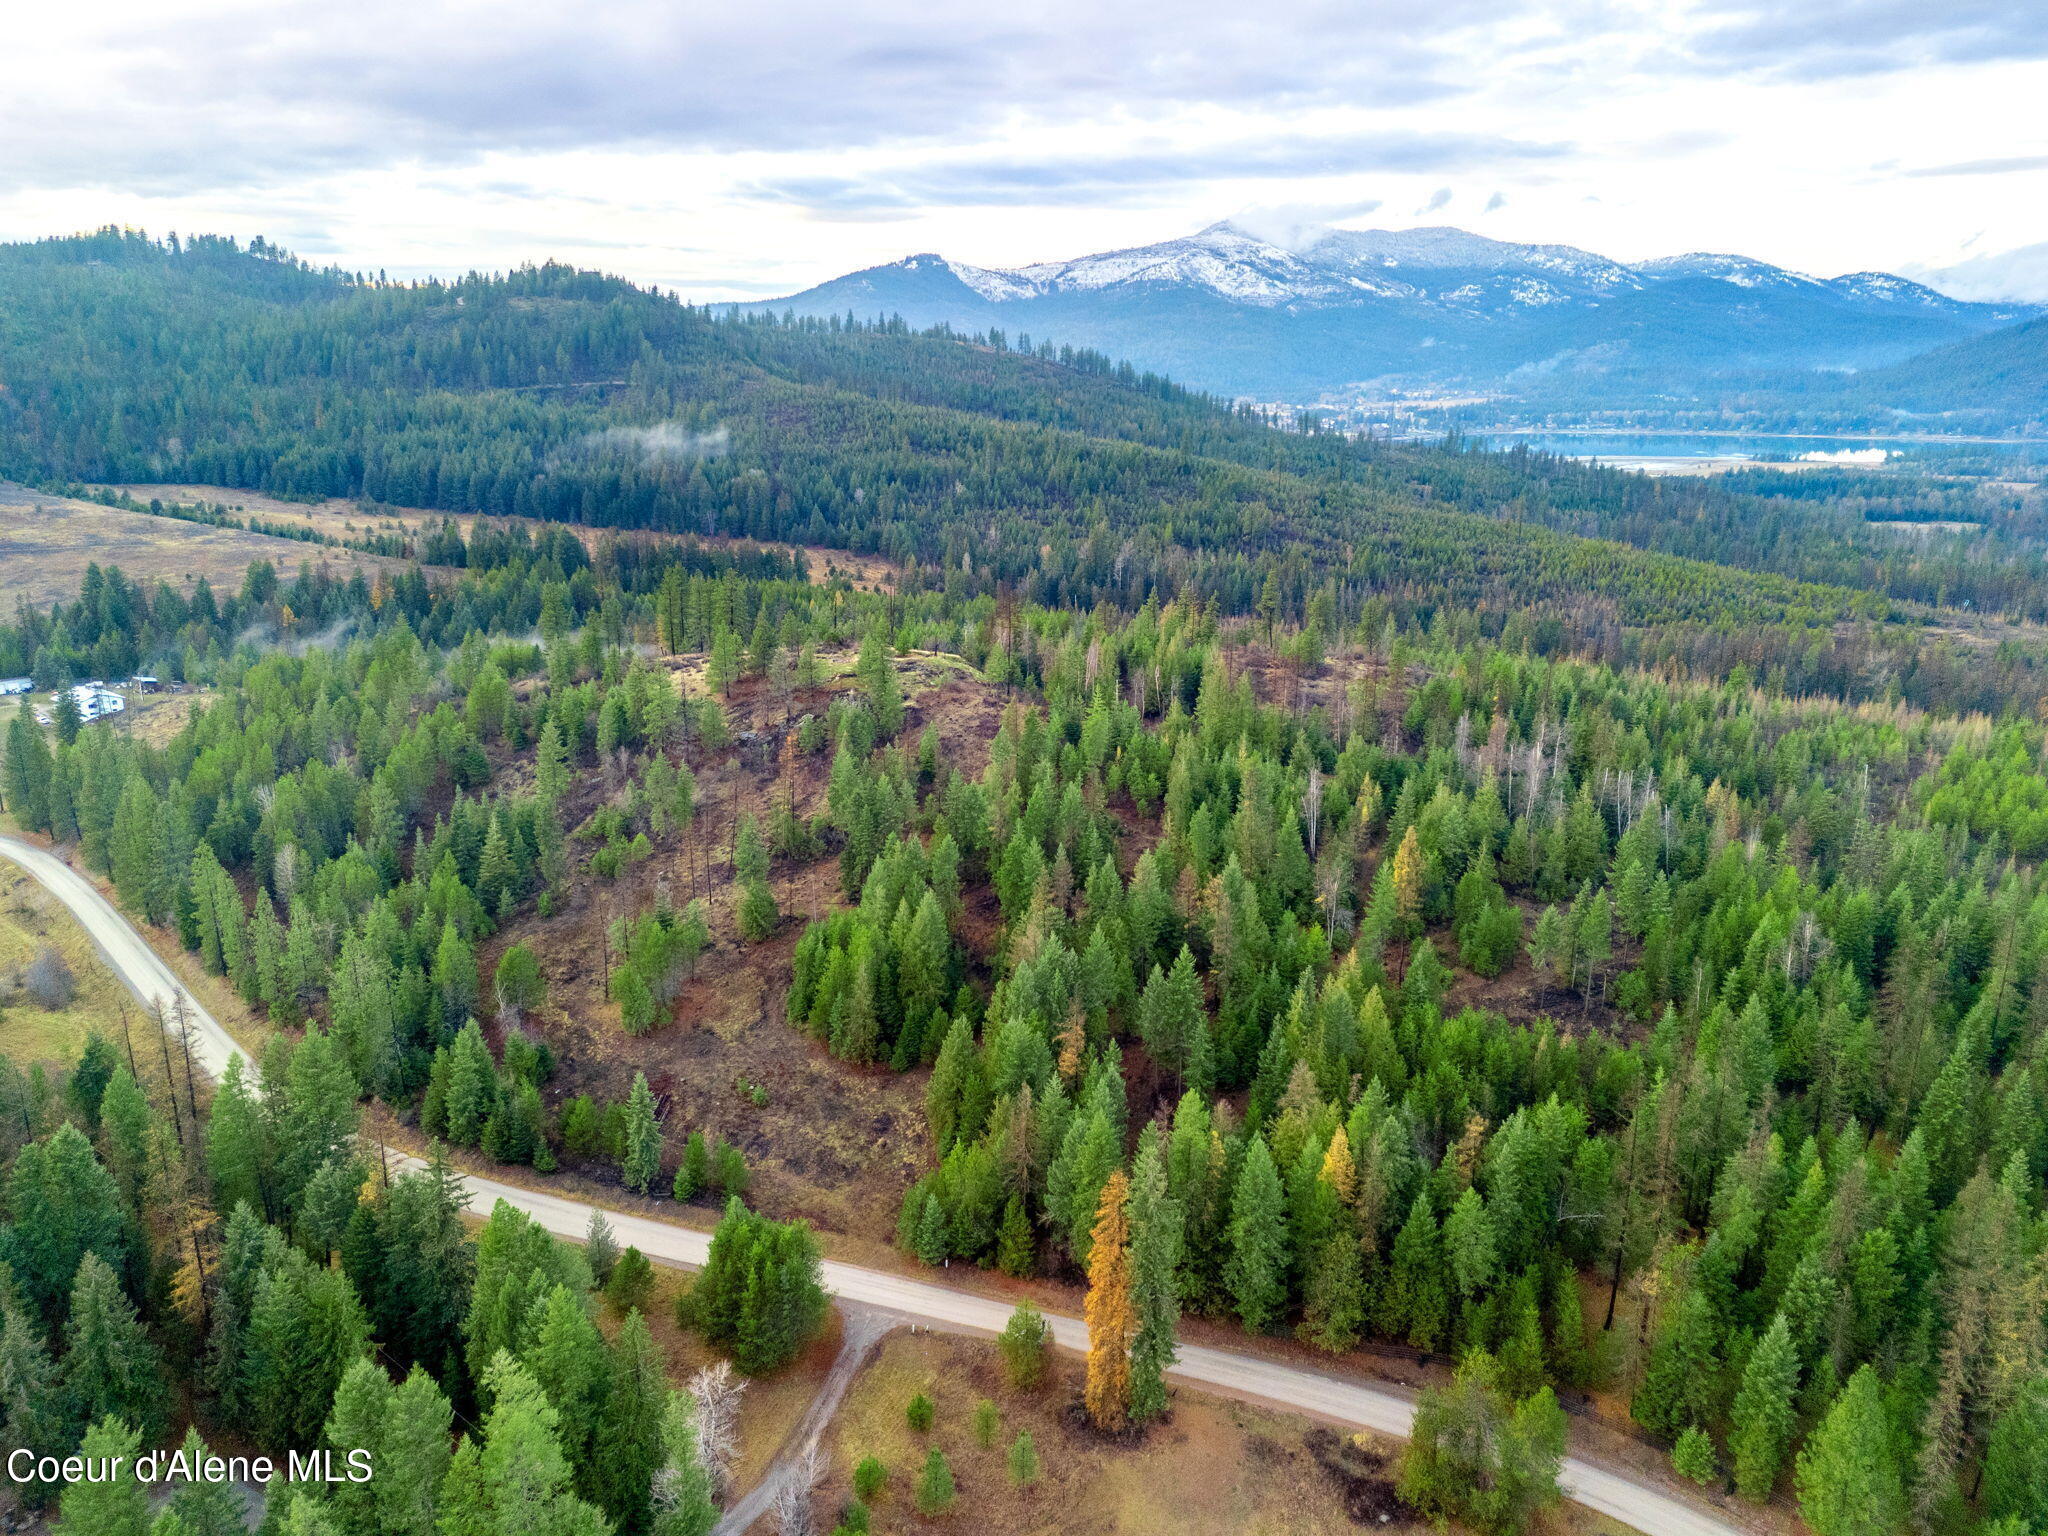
(1229, 310)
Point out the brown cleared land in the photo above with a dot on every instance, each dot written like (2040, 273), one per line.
(825, 1141)
(344, 519)
(46, 542)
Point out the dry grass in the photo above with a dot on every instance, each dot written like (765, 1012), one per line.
(31, 918)
(157, 718)
(46, 542)
(1215, 1468)
(344, 519)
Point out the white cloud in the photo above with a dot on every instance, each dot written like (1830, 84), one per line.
(2016, 276)
(739, 151)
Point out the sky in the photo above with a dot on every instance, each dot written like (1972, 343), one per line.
(745, 151)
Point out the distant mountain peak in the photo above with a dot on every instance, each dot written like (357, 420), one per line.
(1726, 267)
(1287, 313)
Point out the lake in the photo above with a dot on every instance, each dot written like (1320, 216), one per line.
(1708, 453)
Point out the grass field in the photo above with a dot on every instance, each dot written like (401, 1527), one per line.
(29, 919)
(1211, 1468)
(344, 519)
(46, 542)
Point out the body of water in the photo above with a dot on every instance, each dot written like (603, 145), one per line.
(1707, 453)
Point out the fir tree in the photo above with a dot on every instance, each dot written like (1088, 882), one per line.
(1848, 1474)
(1693, 1457)
(1256, 1271)
(1763, 1415)
(1473, 1457)
(117, 1505)
(629, 1429)
(111, 1370)
(935, 1491)
(1156, 1225)
(412, 1456)
(642, 1160)
(760, 1295)
(1026, 1341)
(1022, 1460)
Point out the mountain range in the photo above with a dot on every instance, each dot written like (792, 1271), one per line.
(1423, 311)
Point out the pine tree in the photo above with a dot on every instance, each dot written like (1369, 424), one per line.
(1763, 1416)
(517, 984)
(1678, 1384)
(758, 914)
(111, 1369)
(935, 1491)
(1016, 1248)
(63, 1205)
(1156, 1224)
(629, 1434)
(1848, 1474)
(1172, 1023)
(1415, 1300)
(1474, 1458)
(1256, 1271)
(760, 1295)
(117, 1505)
(876, 670)
(31, 1412)
(642, 1161)
(1025, 1343)
(569, 1363)
(356, 1422)
(682, 1488)
(305, 1328)
(600, 1248)
(1112, 1322)
(1022, 1460)
(631, 1282)
(2015, 1485)
(520, 1478)
(693, 1173)
(454, 976)
(1333, 1309)
(1693, 1457)
(1468, 1243)
(517, 1263)
(412, 1456)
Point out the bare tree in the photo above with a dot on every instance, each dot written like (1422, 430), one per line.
(49, 980)
(792, 1506)
(717, 1391)
(1312, 806)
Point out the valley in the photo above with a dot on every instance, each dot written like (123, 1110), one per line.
(1462, 987)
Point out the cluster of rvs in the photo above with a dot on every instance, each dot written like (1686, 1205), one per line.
(95, 699)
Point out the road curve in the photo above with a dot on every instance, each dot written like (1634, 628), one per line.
(1228, 1372)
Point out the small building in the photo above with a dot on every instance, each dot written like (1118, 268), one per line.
(96, 701)
(142, 683)
(14, 687)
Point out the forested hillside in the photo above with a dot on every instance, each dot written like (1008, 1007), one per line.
(1220, 877)
(1054, 476)
(1754, 1143)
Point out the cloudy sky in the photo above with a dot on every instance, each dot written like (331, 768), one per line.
(736, 151)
